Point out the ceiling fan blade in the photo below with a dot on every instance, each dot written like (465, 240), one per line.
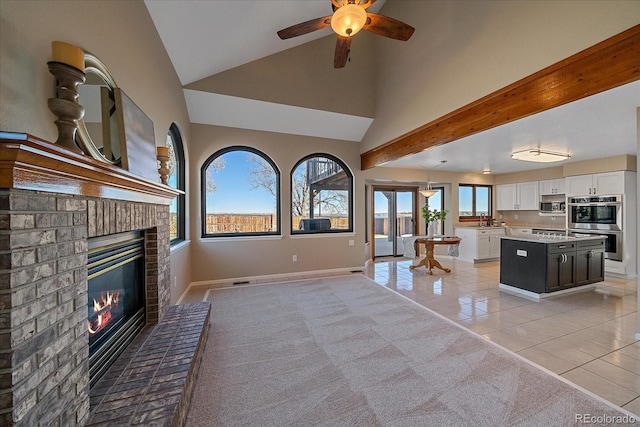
(388, 27)
(305, 27)
(342, 52)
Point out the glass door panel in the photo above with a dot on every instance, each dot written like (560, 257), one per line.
(394, 217)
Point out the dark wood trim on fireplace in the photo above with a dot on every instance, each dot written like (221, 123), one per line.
(606, 65)
(30, 163)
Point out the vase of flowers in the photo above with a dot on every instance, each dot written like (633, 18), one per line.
(432, 217)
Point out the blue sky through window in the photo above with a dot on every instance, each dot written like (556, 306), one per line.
(465, 199)
(235, 192)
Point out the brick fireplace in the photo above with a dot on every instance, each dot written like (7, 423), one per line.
(51, 202)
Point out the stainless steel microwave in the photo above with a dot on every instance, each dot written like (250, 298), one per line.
(552, 207)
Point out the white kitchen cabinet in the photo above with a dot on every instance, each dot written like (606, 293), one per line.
(528, 197)
(598, 184)
(550, 187)
(479, 244)
(506, 197)
(608, 183)
(521, 196)
(517, 231)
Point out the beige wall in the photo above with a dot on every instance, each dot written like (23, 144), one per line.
(464, 50)
(304, 76)
(607, 164)
(216, 259)
(180, 277)
(120, 33)
(533, 175)
(417, 177)
(637, 221)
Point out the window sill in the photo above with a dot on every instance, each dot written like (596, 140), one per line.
(313, 235)
(237, 238)
(178, 246)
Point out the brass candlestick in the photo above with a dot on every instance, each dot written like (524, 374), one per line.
(163, 170)
(66, 106)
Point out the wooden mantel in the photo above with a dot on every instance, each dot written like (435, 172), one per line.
(606, 65)
(30, 163)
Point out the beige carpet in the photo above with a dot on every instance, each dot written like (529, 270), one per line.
(346, 351)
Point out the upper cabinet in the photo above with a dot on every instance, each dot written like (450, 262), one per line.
(520, 196)
(552, 186)
(596, 184)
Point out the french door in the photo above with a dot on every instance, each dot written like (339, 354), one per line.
(394, 216)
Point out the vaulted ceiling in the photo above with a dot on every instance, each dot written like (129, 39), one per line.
(226, 42)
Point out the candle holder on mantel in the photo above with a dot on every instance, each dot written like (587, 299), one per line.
(65, 106)
(163, 158)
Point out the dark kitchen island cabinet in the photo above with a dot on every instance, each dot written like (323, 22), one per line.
(542, 265)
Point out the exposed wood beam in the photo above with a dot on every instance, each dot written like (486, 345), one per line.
(606, 65)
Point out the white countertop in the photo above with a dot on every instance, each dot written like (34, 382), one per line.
(552, 239)
(476, 227)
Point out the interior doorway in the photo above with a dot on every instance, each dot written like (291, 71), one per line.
(394, 216)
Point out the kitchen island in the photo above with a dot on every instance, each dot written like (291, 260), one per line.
(538, 266)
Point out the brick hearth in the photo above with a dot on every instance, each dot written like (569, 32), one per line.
(51, 202)
(152, 381)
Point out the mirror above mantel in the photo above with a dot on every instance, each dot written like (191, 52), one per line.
(98, 130)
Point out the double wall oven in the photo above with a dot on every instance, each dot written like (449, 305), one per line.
(601, 215)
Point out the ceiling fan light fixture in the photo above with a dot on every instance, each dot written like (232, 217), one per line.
(348, 20)
(540, 156)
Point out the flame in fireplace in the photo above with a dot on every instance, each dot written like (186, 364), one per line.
(103, 308)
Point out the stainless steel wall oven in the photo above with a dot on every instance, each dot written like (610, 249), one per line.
(612, 245)
(595, 213)
(601, 215)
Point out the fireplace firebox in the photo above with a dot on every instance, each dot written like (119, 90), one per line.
(116, 294)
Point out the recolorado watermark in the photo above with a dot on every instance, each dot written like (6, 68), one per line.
(604, 419)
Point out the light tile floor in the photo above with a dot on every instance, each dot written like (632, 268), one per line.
(586, 337)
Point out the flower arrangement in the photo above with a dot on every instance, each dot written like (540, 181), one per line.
(433, 215)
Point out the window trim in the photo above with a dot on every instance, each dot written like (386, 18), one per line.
(351, 191)
(203, 195)
(178, 149)
(475, 216)
(441, 190)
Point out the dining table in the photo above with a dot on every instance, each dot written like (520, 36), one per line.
(429, 260)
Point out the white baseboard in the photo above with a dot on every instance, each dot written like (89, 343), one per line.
(219, 283)
(538, 297)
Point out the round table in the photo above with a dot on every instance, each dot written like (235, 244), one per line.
(429, 243)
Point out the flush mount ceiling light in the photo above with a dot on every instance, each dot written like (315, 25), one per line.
(486, 171)
(541, 156)
(428, 192)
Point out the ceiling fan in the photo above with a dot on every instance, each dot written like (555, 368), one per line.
(349, 17)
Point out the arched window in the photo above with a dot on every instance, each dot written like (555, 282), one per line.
(321, 196)
(176, 180)
(240, 194)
